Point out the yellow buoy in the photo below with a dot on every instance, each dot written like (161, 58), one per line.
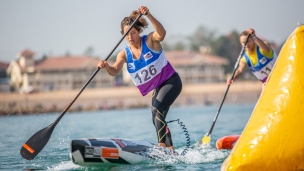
(273, 138)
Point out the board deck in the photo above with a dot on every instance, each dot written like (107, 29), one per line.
(86, 151)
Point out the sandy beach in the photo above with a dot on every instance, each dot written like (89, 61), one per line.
(124, 97)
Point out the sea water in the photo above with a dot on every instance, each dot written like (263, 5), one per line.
(127, 123)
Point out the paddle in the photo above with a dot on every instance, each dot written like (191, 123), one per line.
(207, 138)
(37, 142)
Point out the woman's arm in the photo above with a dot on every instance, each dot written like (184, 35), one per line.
(238, 72)
(154, 38)
(261, 44)
(160, 32)
(117, 66)
(258, 41)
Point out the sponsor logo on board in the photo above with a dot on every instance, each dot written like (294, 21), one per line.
(92, 152)
(109, 153)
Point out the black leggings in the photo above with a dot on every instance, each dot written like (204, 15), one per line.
(163, 97)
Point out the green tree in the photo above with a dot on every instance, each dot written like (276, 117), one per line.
(89, 51)
(201, 37)
(227, 46)
(178, 46)
(166, 46)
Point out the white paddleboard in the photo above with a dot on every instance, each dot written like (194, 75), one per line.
(94, 151)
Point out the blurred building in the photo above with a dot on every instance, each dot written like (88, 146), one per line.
(193, 67)
(198, 67)
(55, 73)
(72, 72)
(4, 79)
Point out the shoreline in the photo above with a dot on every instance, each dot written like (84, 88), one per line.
(124, 98)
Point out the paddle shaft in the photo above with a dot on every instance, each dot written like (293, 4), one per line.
(37, 142)
(227, 89)
(84, 86)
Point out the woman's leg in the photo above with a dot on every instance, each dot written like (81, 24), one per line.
(163, 98)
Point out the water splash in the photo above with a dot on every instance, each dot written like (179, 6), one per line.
(196, 155)
(66, 165)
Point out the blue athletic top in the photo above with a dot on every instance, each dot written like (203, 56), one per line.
(264, 66)
(150, 70)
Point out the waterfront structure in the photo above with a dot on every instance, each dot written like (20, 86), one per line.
(72, 72)
(4, 80)
(55, 73)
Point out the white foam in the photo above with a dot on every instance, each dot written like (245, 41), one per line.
(65, 165)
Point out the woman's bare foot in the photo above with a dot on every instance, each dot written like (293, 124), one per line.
(171, 148)
(161, 144)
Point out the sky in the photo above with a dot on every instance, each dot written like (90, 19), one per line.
(58, 27)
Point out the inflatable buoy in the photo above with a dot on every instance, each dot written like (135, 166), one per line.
(226, 142)
(273, 137)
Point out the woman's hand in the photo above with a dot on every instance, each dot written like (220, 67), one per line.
(229, 82)
(250, 31)
(144, 10)
(103, 64)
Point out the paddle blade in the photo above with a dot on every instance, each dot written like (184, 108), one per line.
(206, 140)
(36, 143)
